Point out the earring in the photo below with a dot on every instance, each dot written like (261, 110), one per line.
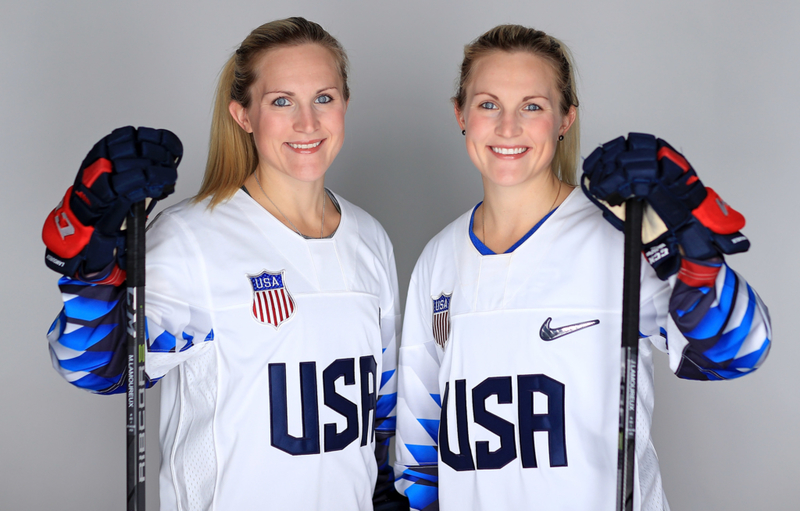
(464, 132)
(560, 138)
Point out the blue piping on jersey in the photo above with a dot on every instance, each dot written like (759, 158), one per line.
(731, 342)
(84, 338)
(187, 337)
(423, 453)
(87, 361)
(386, 376)
(431, 426)
(88, 309)
(484, 250)
(715, 318)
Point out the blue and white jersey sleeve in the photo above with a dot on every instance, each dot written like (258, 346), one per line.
(419, 402)
(87, 339)
(714, 325)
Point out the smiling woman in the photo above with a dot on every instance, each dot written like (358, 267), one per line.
(509, 367)
(272, 303)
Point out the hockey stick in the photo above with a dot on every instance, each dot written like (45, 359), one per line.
(136, 350)
(630, 354)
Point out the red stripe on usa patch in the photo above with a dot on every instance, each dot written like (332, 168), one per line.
(272, 302)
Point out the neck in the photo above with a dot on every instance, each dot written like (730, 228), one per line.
(509, 212)
(297, 204)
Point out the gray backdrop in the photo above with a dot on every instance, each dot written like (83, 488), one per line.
(718, 79)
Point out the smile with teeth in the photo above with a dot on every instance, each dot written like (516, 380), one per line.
(509, 150)
(304, 146)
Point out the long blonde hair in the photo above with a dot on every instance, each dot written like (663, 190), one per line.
(513, 38)
(232, 154)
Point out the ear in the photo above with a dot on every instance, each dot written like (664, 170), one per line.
(568, 119)
(239, 114)
(459, 117)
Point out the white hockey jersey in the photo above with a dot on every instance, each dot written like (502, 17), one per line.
(277, 355)
(509, 366)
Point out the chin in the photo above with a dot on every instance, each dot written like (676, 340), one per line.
(507, 176)
(309, 174)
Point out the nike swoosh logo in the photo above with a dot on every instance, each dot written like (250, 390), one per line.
(551, 334)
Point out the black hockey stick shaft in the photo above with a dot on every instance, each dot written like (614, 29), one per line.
(630, 354)
(136, 349)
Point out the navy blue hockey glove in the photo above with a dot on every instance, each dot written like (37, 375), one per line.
(83, 234)
(682, 217)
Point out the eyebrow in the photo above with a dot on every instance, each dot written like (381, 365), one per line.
(526, 98)
(287, 93)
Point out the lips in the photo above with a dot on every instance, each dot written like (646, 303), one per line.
(305, 147)
(509, 153)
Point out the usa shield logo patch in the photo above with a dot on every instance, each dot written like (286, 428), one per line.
(441, 319)
(272, 303)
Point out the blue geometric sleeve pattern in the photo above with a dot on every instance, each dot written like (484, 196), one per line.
(725, 326)
(88, 338)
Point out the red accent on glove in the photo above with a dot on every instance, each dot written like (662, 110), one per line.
(93, 171)
(715, 214)
(698, 275)
(678, 159)
(115, 278)
(63, 233)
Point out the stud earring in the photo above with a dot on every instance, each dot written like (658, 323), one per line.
(560, 138)
(464, 132)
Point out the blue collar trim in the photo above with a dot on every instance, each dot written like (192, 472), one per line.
(484, 250)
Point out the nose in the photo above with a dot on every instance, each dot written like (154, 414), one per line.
(508, 125)
(306, 120)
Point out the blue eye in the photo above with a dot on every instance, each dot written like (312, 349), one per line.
(324, 99)
(488, 105)
(532, 107)
(281, 102)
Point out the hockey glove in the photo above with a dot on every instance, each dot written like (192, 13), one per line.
(83, 234)
(682, 217)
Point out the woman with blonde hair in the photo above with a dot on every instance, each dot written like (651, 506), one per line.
(509, 365)
(272, 302)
